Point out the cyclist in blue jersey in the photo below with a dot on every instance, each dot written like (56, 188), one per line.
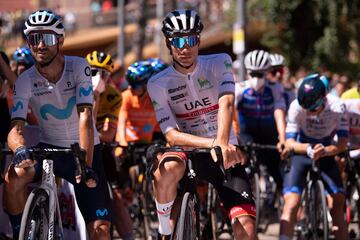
(261, 110)
(194, 104)
(59, 90)
(313, 120)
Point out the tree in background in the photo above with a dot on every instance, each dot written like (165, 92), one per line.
(311, 32)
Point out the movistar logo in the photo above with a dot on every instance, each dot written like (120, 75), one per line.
(228, 65)
(17, 106)
(85, 92)
(101, 213)
(203, 82)
(56, 112)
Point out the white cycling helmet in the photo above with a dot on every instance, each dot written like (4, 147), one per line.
(257, 61)
(44, 20)
(182, 21)
(276, 60)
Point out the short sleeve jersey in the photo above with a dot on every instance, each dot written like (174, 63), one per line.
(109, 107)
(189, 102)
(140, 115)
(55, 105)
(256, 109)
(319, 128)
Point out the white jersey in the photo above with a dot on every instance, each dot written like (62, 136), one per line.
(54, 105)
(319, 128)
(189, 102)
(353, 110)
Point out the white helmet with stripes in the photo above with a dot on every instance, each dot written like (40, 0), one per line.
(257, 61)
(44, 20)
(181, 21)
(276, 60)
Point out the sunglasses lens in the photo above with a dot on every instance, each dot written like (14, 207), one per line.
(257, 74)
(48, 39)
(179, 42)
(316, 105)
(94, 72)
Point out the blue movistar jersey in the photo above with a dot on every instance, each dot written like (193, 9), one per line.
(55, 105)
(256, 110)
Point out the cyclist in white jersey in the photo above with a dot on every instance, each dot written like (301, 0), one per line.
(59, 90)
(313, 121)
(353, 110)
(194, 103)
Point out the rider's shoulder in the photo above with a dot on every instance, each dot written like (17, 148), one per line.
(336, 104)
(216, 59)
(161, 77)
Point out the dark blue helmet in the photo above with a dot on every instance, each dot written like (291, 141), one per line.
(139, 73)
(157, 64)
(312, 91)
(23, 55)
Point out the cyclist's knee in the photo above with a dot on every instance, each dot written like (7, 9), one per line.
(17, 179)
(170, 169)
(291, 205)
(99, 230)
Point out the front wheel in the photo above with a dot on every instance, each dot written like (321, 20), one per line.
(317, 212)
(186, 224)
(35, 218)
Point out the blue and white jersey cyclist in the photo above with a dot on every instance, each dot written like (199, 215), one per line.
(261, 109)
(59, 90)
(313, 121)
(194, 103)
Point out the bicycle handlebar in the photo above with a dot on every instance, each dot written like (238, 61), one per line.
(194, 152)
(78, 153)
(255, 146)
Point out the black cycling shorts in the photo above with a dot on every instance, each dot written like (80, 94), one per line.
(94, 203)
(235, 194)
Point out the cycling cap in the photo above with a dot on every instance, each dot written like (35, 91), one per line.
(23, 55)
(312, 91)
(101, 60)
(44, 20)
(182, 21)
(157, 64)
(257, 61)
(139, 73)
(276, 60)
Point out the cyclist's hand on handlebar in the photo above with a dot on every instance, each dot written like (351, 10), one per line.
(318, 151)
(118, 151)
(23, 158)
(280, 147)
(231, 155)
(91, 177)
(286, 151)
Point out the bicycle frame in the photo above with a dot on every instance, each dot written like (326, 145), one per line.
(49, 185)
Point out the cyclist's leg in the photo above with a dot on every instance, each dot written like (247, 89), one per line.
(121, 217)
(15, 192)
(167, 172)
(235, 194)
(293, 187)
(94, 203)
(330, 174)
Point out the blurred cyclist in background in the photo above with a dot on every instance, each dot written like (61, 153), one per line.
(23, 60)
(106, 110)
(276, 74)
(261, 109)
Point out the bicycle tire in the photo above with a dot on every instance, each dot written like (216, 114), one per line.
(35, 218)
(317, 212)
(257, 196)
(145, 211)
(214, 214)
(186, 223)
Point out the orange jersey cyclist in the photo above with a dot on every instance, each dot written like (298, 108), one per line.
(194, 105)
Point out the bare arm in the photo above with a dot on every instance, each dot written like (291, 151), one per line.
(279, 116)
(86, 131)
(224, 118)
(121, 129)
(337, 148)
(177, 138)
(299, 148)
(107, 135)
